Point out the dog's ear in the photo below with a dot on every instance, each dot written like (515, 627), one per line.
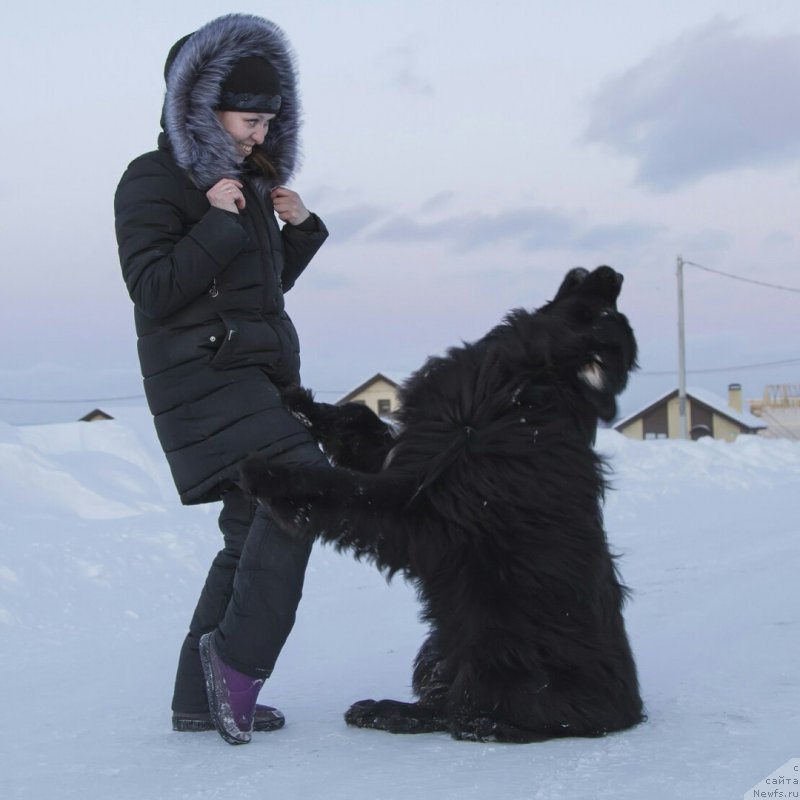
(574, 278)
(613, 332)
(613, 358)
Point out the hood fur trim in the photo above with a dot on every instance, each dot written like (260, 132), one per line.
(200, 144)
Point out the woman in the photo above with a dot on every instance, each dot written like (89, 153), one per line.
(206, 265)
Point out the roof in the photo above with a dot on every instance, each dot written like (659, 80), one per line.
(96, 414)
(378, 376)
(742, 418)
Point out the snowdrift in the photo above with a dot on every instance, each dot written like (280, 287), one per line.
(100, 567)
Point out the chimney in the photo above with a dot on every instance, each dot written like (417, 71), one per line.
(735, 396)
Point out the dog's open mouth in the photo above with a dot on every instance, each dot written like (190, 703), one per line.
(593, 374)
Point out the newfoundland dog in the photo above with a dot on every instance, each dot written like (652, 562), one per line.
(488, 498)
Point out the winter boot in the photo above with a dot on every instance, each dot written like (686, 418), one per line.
(265, 719)
(231, 694)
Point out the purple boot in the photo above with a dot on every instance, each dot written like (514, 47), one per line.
(231, 695)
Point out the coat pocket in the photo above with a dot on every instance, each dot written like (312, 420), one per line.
(246, 341)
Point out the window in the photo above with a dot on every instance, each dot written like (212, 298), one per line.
(655, 423)
(384, 407)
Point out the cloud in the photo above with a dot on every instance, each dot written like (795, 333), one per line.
(327, 280)
(714, 100)
(437, 202)
(705, 243)
(405, 229)
(531, 229)
(777, 239)
(346, 223)
(401, 64)
(625, 234)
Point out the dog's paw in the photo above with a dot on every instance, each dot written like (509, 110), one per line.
(363, 714)
(301, 403)
(395, 717)
(478, 728)
(293, 516)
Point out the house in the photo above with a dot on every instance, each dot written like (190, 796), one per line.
(379, 393)
(706, 415)
(95, 415)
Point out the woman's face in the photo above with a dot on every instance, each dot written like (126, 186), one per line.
(246, 128)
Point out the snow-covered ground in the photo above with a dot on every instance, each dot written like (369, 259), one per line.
(100, 568)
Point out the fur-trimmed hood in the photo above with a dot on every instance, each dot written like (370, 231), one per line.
(199, 143)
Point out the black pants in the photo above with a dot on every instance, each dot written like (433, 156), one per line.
(251, 593)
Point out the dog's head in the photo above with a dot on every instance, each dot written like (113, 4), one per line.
(599, 344)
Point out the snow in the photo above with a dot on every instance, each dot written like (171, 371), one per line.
(100, 568)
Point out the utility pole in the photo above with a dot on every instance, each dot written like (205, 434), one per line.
(683, 425)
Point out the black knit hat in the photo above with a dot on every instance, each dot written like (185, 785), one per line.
(252, 85)
(173, 53)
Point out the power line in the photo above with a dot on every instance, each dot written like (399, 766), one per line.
(77, 400)
(744, 280)
(726, 369)
(339, 392)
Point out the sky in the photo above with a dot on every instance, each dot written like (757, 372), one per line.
(101, 566)
(464, 156)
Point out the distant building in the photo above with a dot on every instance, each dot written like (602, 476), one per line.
(379, 393)
(779, 409)
(706, 415)
(95, 415)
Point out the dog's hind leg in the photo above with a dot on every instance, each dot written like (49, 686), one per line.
(396, 717)
(432, 678)
(480, 728)
(489, 702)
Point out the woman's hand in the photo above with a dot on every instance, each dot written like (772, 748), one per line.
(288, 206)
(227, 195)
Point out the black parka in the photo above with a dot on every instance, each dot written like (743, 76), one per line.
(214, 339)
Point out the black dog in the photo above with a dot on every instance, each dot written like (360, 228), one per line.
(489, 500)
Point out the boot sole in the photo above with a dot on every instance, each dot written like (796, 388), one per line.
(188, 725)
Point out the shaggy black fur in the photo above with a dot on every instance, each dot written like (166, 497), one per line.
(489, 500)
